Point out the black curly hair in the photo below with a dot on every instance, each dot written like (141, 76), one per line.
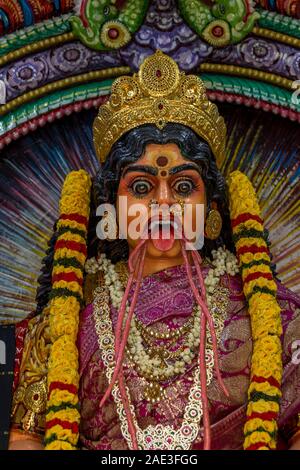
(128, 149)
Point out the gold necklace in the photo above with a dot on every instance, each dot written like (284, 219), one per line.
(152, 363)
(154, 436)
(172, 334)
(153, 390)
(159, 436)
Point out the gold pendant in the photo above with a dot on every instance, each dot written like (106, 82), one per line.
(153, 392)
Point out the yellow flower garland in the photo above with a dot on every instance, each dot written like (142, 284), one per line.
(260, 291)
(62, 417)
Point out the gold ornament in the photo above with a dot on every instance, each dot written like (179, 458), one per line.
(154, 393)
(213, 224)
(181, 203)
(152, 202)
(158, 94)
(114, 34)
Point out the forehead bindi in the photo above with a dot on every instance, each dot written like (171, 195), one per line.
(162, 161)
(162, 156)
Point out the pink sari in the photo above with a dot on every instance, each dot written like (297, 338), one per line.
(166, 297)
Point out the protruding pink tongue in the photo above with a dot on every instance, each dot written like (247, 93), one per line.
(162, 238)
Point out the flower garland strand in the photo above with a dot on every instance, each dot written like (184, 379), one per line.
(260, 289)
(62, 416)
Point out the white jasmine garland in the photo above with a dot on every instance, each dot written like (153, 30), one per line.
(223, 262)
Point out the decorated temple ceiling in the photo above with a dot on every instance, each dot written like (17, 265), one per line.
(46, 66)
(19, 14)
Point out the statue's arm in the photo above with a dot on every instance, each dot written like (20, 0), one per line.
(30, 395)
(24, 441)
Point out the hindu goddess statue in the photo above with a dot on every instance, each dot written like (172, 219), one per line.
(155, 342)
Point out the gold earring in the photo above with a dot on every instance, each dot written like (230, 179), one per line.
(213, 223)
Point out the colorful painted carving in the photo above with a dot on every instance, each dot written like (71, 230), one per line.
(220, 22)
(285, 7)
(108, 24)
(16, 14)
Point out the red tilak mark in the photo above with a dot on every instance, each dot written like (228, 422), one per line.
(162, 161)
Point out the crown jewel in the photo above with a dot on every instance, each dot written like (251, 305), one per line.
(159, 93)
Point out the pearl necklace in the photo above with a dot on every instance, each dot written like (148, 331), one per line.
(157, 437)
(152, 368)
(223, 262)
(152, 364)
(154, 436)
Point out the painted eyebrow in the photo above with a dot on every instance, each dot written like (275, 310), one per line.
(150, 170)
(184, 166)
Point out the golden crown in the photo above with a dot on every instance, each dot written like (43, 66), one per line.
(159, 93)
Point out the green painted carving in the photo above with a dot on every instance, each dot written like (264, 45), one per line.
(108, 24)
(258, 90)
(23, 37)
(52, 102)
(280, 23)
(219, 22)
(55, 26)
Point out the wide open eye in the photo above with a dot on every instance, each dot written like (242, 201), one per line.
(184, 187)
(141, 187)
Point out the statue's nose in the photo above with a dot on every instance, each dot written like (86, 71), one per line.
(164, 193)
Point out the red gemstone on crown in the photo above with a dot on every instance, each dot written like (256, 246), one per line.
(158, 73)
(160, 106)
(113, 33)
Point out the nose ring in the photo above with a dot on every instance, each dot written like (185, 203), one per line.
(152, 202)
(181, 204)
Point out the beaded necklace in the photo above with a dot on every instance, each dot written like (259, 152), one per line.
(158, 436)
